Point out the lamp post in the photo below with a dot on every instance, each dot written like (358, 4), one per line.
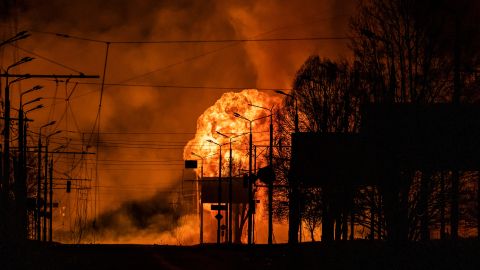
(39, 106)
(20, 183)
(21, 122)
(199, 198)
(270, 183)
(39, 183)
(6, 143)
(50, 204)
(250, 176)
(219, 215)
(6, 137)
(37, 214)
(294, 205)
(230, 184)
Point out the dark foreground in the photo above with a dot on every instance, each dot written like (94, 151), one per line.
(464, 254)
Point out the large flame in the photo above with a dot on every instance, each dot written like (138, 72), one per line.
(220, 117)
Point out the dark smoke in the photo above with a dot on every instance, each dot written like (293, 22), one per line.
(159, 213)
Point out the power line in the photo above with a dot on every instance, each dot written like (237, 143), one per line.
(231, 40)
(46, 59)
(145, 133)
(186, 86)
(141, 169)
(193, 41)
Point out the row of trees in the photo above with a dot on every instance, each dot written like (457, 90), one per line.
(399, 55)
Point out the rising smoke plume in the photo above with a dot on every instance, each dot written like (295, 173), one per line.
(143, 110)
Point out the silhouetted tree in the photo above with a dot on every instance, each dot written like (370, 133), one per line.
(399, 56)
(398, 50)
(404, 56)
(326, 94)
(311, 212)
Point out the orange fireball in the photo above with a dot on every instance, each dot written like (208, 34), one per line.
(220, 117)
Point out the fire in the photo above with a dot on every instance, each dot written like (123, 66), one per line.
(220, 117)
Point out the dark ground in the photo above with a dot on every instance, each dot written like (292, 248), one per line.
(464, 254)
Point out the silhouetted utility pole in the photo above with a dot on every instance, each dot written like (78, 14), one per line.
(39, 177)
(454, 212)
(5, 224)
(270, 186)
(251, 202)
(379, 215)
(6, 153)
(45, 188)
(21, 183)
(294, 192)
(9, 225)
(18, 215)
(219, 215)
(270, 183)
(352, 225)
(48, 214)
(294, 209)
(454, 215)
(219, 204)
(478, 207)
(372, 213)
(250, 191)
(230, 184)
(199, 198)
(39, 182)
(423, 205)
(230, 193)
(229, 211)
(50, 224)
(442, 206)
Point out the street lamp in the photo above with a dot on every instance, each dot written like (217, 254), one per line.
(35, 88)
(6, 137)
(199, 199)
(296, 107)
(39, 183)
(230, 188)
(22, 126)
(7, 109)
(39, 106)
(18, 79)
(270, 183)
(17, 37)
(21, 61)
(31, 101)
(22, 113)
(219, 215)
(250, 176)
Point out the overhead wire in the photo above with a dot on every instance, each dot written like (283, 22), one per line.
(199, 41)
(195, 57)
(173, 86)
(45, 58)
